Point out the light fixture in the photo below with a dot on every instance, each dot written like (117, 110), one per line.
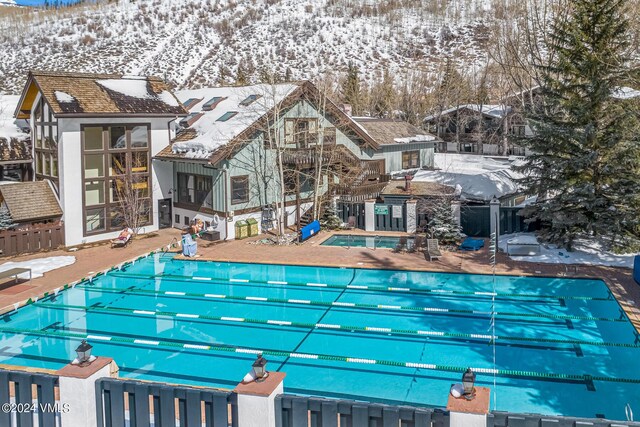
(84, 354)
(468, 381)
(259, 368)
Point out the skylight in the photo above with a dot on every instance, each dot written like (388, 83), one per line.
(190, 103)
(211, 104)
(250, 100)
(226, 116)
(190, 119)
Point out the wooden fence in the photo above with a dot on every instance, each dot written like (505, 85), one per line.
(13, 242)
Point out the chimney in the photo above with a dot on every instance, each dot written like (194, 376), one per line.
(347, 109)
(407, 182)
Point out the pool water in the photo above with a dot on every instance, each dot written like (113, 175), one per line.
(348, 240)
(122, 305)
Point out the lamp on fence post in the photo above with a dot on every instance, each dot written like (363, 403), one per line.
(259, 368)
(468, 384)
(84, 354)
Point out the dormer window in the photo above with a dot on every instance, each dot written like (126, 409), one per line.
(226, 116)
(212, 103)
(250, 100)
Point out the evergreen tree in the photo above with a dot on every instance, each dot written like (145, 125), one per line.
(6, 221)
(352, 89)
(585, 162)
(329, 219)
(383, 96)
(442, 225)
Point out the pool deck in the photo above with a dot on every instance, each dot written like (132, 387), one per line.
(100, 257)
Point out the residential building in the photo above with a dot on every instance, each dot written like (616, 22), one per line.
(94, 137)
(30, 203)
(226, 155)
(479, 129)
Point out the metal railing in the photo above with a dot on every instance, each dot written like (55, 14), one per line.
(298, 411)
(141, 404)
(30, 398)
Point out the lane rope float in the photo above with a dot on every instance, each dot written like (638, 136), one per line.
(394, 289)
(366, 329)
(425, 310)
(228, 348)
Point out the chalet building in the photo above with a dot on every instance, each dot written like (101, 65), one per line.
(94, 134)
(30, 203)
(479, 129)
(226, 151)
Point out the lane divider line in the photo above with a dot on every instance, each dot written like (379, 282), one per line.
(228, 348)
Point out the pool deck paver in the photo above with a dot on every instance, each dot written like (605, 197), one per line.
(98, 258)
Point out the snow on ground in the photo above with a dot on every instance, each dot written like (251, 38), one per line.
(39, 266)
(8, 129)
(480, 177)
(585, 252)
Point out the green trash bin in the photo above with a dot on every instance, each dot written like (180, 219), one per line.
(242, 230)
(253, 227)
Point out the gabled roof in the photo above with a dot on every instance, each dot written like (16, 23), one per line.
(215, 140)
(492, 110)
(81, 94)
(30, 201)
(417, 188)
(14, 150)
(393, 132)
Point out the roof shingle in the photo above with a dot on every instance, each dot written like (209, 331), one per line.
(30, 201)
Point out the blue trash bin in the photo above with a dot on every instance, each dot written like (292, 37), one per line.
(636, 269)
(189, 246)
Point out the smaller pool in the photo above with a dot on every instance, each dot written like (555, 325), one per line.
(386, 242)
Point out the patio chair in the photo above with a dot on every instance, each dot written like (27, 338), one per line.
(351, 223)
(433, 250)
(123, 239)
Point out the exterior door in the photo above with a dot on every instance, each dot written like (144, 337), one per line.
(164, 213)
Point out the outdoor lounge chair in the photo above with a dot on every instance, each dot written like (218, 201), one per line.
(351, 223)
(123, 239)
(433, 251)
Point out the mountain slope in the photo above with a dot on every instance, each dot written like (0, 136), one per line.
(195, 43)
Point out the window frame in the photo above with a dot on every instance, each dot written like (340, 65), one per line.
(407, 157)
(108, 205)
(234, 180)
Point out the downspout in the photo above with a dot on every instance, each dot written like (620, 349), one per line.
(226, 205)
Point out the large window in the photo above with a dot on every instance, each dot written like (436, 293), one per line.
(239, 189)
(45, 135)
(410, 159)
(194, 189)
(115, 176)
(301, 132)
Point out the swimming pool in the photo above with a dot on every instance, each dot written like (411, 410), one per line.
(192, 322)
(348, 240)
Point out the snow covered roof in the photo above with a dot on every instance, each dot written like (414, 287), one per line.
(480, 178)
(99, 94)
(392, 132)
(492, 110)
(221, 116)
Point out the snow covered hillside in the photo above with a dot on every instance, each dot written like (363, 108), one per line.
(196, 43)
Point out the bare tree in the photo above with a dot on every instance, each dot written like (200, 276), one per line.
(133, 194)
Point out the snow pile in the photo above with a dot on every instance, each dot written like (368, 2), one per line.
(212, 133)
(8, 128)
(626, 93)
(63, 97)
(135, 88)
(585, 252)
(39, 266)
(417, 138)
(480, 178)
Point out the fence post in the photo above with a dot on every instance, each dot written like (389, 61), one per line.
(256, 401)
(494, 215)
(77, 387)
(469, 413)
(412, 215)
(369, 215)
